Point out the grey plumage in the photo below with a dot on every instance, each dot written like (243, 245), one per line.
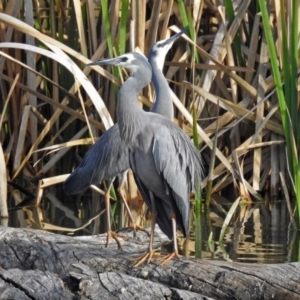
(167, 165)
(108, 157)
(165, 162)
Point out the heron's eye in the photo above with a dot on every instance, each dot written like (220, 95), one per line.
(159, 45)
(124, 59)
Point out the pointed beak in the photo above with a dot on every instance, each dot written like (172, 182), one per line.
(110, 61)
(174, 37)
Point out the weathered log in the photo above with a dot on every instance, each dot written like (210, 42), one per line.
(41, 265)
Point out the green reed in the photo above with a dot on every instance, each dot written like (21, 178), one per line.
(287, 93)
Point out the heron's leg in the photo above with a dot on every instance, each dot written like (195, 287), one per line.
(175, 253)
(134, 226)
(150, 253)
(111, 234)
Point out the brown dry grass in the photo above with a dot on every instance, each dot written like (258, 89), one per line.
(53, 105)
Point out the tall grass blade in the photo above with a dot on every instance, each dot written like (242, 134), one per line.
(123, 25)
(294, 57)
(105, 16)
(187, 21)
(236, 40)
(276, 73)
(198, 204)
(286, 104)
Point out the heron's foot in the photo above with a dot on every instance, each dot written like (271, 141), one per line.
(168, 257)
(115, 236)
(136, 228)
(147, 256)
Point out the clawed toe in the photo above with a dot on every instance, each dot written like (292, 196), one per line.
(141, 259)
(115, 236)
(168, 257)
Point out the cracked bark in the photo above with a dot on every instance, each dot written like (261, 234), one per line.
(40, 265)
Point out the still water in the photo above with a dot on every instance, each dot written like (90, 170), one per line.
(260, 232)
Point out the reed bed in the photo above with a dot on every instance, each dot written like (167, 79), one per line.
(234, 77)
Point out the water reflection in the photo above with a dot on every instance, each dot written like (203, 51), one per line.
(259, 233)
(263, 235)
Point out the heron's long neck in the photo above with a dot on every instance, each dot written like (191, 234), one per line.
(163, 104)
(129, 113)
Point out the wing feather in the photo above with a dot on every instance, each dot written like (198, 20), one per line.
(106, 159)
(163, 211)
(179, 164)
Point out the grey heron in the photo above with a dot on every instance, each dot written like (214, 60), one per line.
(165, 162)
(108, 157)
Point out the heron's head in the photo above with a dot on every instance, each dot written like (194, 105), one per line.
(160, 49)
(133, 61)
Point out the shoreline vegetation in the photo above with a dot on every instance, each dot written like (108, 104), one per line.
(234, 77)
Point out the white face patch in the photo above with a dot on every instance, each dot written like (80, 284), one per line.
(130, 58)
(130, 63)
(160, 53)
